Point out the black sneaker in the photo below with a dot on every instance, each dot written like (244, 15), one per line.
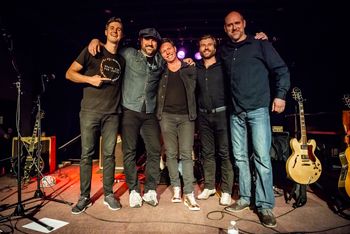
(238, 206)
(111, 202)
(267, 218)
(81, 205)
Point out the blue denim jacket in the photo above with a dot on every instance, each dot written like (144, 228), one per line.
(140, 83)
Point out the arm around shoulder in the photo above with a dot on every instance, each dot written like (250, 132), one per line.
(95, 46)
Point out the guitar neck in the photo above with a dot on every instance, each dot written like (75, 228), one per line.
(302, 124)
(35, 132)
(32, 140)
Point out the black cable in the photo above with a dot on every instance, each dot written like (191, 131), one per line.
(146, 222)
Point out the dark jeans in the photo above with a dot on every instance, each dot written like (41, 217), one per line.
(214, 138)
(134, 123)
(177, 132)
(92, 126)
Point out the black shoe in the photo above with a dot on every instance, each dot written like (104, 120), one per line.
(267, 218)
(237, 206)
(111, 202)
(81, 205)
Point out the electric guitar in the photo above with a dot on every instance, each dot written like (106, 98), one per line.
(344, 157)
(32, 142)
(32, 160)
(303, 166)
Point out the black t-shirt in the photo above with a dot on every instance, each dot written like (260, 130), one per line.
(175, 96)
(106, 98)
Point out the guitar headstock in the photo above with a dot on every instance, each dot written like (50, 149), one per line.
(40, 115)
(346, 99)
(296, 93)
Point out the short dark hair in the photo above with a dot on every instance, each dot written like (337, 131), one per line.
(115, 19)
(164, 40)
(208, 36)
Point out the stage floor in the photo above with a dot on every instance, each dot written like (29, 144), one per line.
(315, 216)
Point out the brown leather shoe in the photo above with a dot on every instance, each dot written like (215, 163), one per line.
(267, 218)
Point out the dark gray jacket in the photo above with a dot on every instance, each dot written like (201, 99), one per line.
(188, 75)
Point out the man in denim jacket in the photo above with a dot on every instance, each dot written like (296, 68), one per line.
(139, 90)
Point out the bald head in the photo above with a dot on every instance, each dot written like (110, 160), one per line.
(234, 26)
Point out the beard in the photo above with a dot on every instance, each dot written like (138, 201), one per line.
(208, 55)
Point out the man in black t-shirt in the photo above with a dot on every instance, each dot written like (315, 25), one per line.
(101, 75)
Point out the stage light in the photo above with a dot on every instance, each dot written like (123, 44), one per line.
(181, 53)
(197, 56)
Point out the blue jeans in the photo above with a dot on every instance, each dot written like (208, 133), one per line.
(178, 137)
(134, 123)
(256, 122)
(92, 126)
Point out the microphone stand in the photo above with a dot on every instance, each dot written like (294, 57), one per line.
(19, 208)
(38, 159)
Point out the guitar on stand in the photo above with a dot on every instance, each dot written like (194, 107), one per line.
(29, 159)
(344, 157)
(32, 159)
(303, 166)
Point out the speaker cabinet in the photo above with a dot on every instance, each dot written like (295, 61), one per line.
(118, 154)
(48, 151)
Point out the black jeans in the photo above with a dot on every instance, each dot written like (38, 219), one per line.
(92, 126)
(134, 123)
(214, 138)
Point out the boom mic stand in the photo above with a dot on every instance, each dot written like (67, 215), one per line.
(19, 209)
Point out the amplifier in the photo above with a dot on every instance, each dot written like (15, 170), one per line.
(118, 154)
(48, 151)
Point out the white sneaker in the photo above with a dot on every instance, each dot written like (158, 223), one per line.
(135, 199)
(206, 193)
(225, 199)
(150, 197)
(177, 195)
(190, 202)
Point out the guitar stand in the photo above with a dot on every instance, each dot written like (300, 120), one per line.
(299, 193)
(341, 206)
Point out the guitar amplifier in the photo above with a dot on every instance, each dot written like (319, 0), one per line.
(48, 151)
(118, 154)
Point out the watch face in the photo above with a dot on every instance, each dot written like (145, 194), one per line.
(110, 68)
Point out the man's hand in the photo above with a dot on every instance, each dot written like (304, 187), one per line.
(261, 36)
(94, 46)
(97, 80)
(189, 61)
(278, 105)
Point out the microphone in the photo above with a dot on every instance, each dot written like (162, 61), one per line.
(48, 77)
(5, 34)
